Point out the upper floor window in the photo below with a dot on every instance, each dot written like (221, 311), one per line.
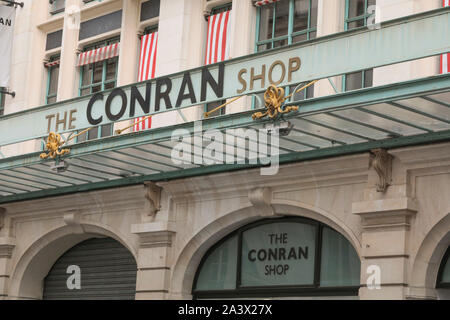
(52, 80)
(57, 6)
(99, 76)
(150, 9)
(357, 13)
(358, 80)
(286, 22)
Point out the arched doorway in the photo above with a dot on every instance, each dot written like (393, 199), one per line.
(279, 258)
(99, 268)
(443, 279)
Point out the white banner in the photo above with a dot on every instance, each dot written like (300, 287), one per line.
(7, 15)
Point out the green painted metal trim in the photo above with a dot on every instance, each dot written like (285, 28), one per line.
(347, 132)
(406, 123)
(425, 114)
(363, 124)
(341, 101)
(284, 159)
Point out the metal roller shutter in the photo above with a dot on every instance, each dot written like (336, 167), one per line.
(108, 271)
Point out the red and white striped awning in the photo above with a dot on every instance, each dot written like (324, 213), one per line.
(51, 64)
(264, 2)
(97, 55)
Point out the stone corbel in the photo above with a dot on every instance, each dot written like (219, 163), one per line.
(7, 246)
(153, 195)
(72, 218)
(381, 162)
(261, 199)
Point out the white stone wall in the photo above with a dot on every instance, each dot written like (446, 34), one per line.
(405, 231)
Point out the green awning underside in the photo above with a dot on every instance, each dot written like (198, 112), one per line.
(403, 114)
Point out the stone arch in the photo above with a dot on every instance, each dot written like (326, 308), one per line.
(34, 263)
(427, 260)
(188, 260)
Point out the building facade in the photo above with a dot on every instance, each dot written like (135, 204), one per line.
(360, 210)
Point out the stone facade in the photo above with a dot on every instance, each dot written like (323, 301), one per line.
(405, 231)
(168, 227)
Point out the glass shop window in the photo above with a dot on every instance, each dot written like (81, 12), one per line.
(295, 257)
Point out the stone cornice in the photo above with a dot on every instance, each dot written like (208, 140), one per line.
(93, 201)
(241, 182)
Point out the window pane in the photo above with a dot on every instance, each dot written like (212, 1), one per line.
(82, 137)
(299, 38)
(85, 91)
(307, 93)
(314, 12)
(301, 15)
(86, 74)
(53, 83)
(280, 43)
(356, 8)
(98, 72)
(93, 133)
(353, 81)
(96, 89)
(368, 78)
(356, 24)
(51, 100)
(446, 272)
(219, 270)
(212, 105)
(110, 85)
(340, 265)
(266, 22)
(106, 130)
(278, 254)
(111, 69)
(281, 18)
(264, 47)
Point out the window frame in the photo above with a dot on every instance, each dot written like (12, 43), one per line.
(103, 83)
(49, 75)
(364, 16)
(83, 69)
(363, 80)
(314, 290)
(291, 34)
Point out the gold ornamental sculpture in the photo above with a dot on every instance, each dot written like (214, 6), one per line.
(53, 145)
(273, 101)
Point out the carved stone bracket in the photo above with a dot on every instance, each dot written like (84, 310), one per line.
(72, 218)
(261, 199)
(7, 246)
(153, 195)
(381, 162)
